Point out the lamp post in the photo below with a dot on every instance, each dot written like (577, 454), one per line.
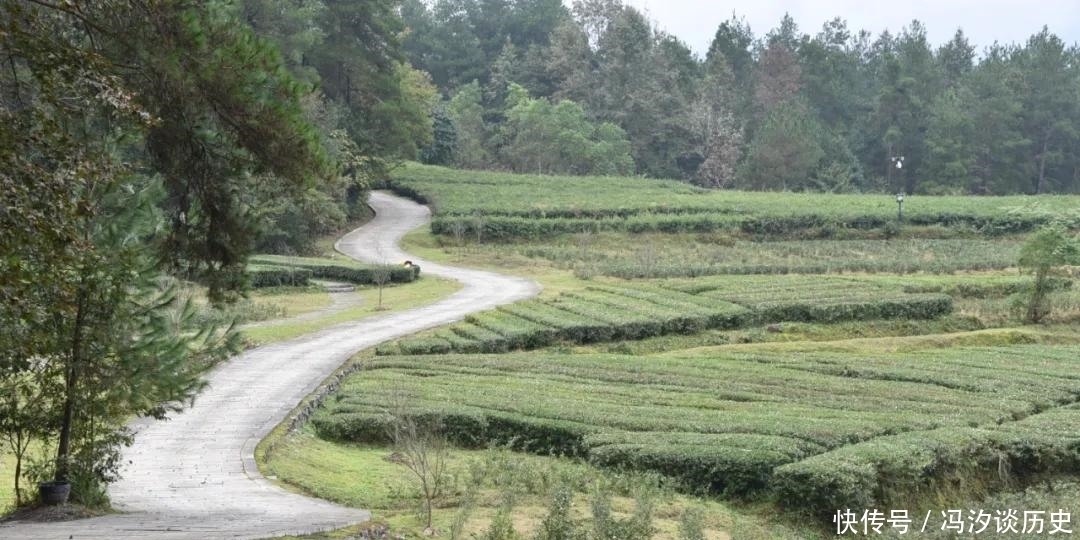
(897, 163)
(900, 207)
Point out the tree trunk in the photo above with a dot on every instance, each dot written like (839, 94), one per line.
(71, 381)
(18, 473)
(1042, 164)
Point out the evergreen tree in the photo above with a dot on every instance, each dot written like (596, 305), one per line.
(956, 58)
(1049, 109)
(467, 115)
(785, 151)
(85, 205)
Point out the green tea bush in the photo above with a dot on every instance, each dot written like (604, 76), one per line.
(920, 466)
(261, 276)
(352, 272)
(428, 345)
(609, 313)
(817, 430)
(530, 206)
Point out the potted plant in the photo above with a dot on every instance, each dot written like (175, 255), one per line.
(54, 492)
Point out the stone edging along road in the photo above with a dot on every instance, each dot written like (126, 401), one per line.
(194, 476)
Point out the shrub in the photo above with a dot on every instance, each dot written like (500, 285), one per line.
(278, 276)
(819, 430)
(950, 463)
(340, 270)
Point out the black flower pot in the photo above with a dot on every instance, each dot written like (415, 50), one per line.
(54, 493)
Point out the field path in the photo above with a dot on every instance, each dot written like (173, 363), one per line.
(194, 476)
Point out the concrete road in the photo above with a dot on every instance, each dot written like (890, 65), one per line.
(194, 476)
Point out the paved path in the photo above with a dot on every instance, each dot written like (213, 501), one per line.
(194, 476)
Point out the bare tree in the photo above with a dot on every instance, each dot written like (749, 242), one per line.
(478, 228)
(380, 276)
(422, 449)
(458, 227)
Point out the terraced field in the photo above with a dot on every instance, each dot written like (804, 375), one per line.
(821, 430)
(508, 206)
(800, 428)
(669, 256)
(601, 313)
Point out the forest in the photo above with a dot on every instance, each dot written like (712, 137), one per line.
(532, 86)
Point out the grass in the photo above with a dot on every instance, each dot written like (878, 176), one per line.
(795, 332)
(396, 298)
(363, 476)
(37, 451)
(494, 257)
(291, 303)
(7, 485)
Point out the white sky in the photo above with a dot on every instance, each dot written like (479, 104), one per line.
(984, 21)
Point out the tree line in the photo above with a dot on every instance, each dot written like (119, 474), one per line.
(533, 86)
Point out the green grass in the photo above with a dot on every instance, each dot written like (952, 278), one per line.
(362, 476)
(290, 303)
(395, 298)
(727, 419)
(7, 475)
(7, 484)
(497, 258)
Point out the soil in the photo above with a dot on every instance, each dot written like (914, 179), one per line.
(62, 512)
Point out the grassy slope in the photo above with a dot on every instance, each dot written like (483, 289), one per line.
(536, 195)
(362, 476)
(397, 298)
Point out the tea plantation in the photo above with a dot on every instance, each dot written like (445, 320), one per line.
(904, 416)
(819, 430)
(505, 207)
(638, 311)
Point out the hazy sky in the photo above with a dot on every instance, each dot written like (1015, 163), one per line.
(984, 21)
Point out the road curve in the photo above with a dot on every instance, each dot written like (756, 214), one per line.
(194, 476)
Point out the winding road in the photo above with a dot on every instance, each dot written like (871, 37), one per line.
(194, 476)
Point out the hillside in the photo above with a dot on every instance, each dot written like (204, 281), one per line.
(886, 366)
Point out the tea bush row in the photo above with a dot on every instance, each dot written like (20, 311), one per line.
(530, 206)
(609, 313)
(818, 430)
(897, 471)
(703, 255)
(510, 228)
(260, 276)
(340, 270)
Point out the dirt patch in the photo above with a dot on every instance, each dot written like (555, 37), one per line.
(63, 512)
